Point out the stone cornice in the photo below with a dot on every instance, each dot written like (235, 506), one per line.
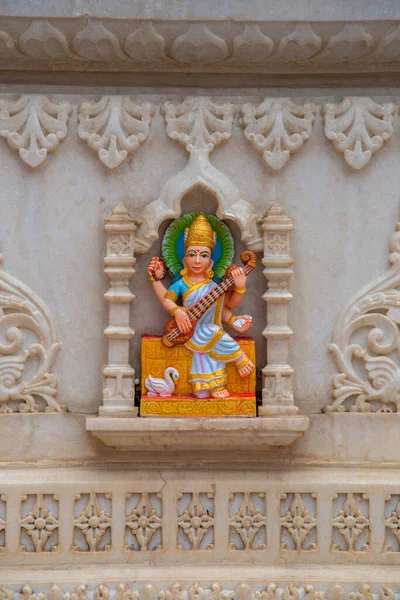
(92, 44)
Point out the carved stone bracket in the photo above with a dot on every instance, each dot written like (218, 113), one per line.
(277, 393)
(358, 128)
(277, 128)
(33, 126)
(119, 384)
(199, 125)
(27, 384)
(114, 127)
(365, 345)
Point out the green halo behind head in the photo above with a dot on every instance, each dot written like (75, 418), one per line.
(173, 244)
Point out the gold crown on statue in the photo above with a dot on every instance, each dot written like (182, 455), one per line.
(200, 233)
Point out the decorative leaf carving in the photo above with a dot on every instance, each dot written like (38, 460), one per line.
(358, 127)
(33, 125)
(277, 128)
(199, 123)
(43, 41)
(298, 46)
(95, 42)
(374, 311)
(145, 44)
(352, 43)
(114, 127)
(199, 45)
(21, 313)
(251, 45)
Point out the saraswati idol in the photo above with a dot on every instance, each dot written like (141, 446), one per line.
(197, 368)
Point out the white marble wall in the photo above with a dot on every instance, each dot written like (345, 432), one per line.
(54, 238)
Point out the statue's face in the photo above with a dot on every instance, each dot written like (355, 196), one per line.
(198, 260)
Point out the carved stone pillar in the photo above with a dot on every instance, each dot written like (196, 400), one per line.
(277, 393)
(119, 377)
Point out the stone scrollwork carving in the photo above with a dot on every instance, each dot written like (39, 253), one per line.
(33, 125)
(199, 124)
(28, 350)
(277, 128)
(369, 368)
(114, 127)
(358, 128)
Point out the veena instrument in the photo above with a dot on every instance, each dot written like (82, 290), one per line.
(172, 336)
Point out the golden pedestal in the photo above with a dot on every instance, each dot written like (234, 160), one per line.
(241, 401)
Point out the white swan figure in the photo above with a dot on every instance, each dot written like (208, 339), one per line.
(162, 387)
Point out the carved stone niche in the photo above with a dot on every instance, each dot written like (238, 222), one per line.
(199, 125)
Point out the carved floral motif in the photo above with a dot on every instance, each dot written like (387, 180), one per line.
(93, 522)
(143, 521)
(374, 311)
(358, 127)
(350, 523)
(392, 523)
(277, 128)
(40, 524)
(248, 521)
(199, 45)
(33, 125)
(198, 122)
(195, 591)
(114, 127)
(23, 314)
(195, 521)
(299, 522)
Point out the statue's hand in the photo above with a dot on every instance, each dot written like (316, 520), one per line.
(157, 268)
(183, 321)
(239, 277)
(241, 323)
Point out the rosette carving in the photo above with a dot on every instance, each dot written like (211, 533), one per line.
(366, 345)
(28, 350)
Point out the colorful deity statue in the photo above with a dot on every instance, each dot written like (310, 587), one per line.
(198, 250)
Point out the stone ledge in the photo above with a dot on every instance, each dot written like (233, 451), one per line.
(159, 434)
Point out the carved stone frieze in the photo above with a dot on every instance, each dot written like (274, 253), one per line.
(33, 126)
(130, 44)
(277, 128)
(358, 128)
(114, 127)
(187, 590)
(28, 350)
(368, 378)
(199, 124)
